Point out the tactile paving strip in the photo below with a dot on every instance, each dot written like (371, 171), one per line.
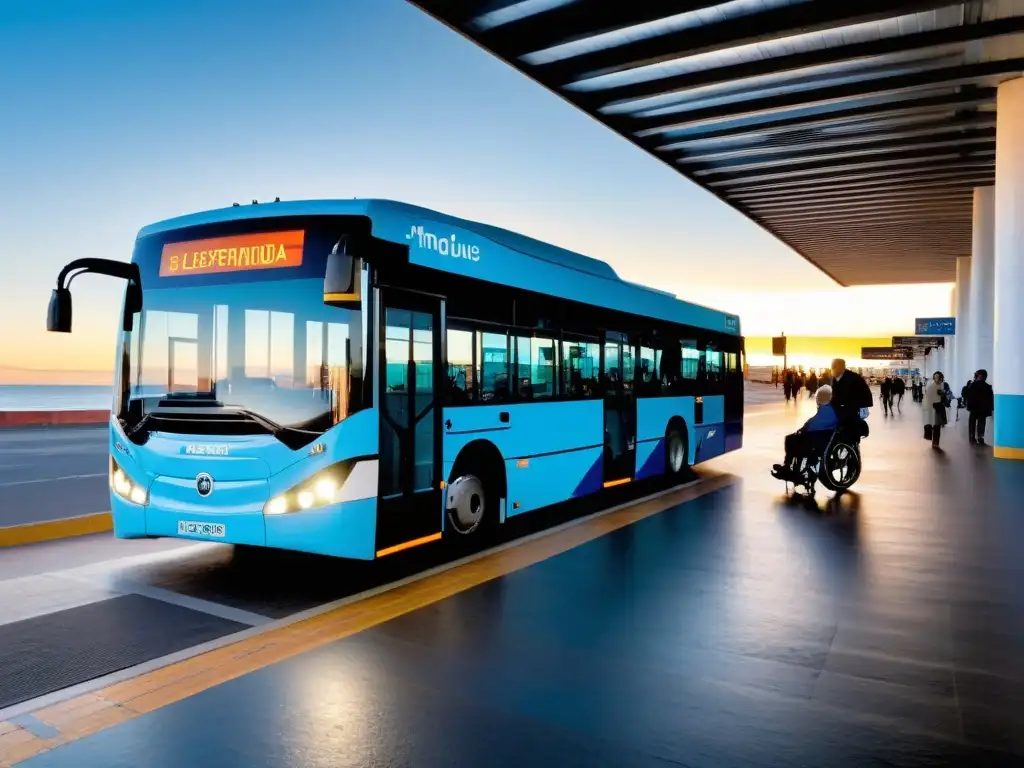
(48, 653)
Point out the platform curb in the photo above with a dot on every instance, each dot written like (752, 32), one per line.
(51, 530)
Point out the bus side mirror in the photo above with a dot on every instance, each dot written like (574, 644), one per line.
(342, 276)
(58, 314)
(132, 304)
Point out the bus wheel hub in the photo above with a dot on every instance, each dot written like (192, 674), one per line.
(466, 503)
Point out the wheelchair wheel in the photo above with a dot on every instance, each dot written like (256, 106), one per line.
(840, 466)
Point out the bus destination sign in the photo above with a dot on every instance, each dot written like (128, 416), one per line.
(239, 253)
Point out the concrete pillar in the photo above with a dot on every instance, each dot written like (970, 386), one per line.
(1007, 373)
(962, 350)
(947, 354)
(982, 279)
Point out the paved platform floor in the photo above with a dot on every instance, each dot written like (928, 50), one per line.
(737, 629)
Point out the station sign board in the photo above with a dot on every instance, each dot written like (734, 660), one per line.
(935, 326)
(918, 342)
(778, 346)
(887, 353)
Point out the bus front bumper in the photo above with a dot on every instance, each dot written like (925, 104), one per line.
(346, 529)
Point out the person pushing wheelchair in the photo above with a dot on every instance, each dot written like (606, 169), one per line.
(844, 406)
(801, 444)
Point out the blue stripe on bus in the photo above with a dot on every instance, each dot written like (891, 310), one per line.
(593, 480)
(650, 459)
(551, 479)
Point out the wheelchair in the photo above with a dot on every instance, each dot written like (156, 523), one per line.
(834, 461)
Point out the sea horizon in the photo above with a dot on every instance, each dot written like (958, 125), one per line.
(55, 397)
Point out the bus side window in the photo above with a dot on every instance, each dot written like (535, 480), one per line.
(670, 366)
(494, 385)
(713, 364)
(619, 362)
(460, 379)
(649, 382)
(580, 363)
(536, 376)
(691, 360)
(628, 363)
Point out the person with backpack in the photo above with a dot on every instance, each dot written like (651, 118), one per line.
(899, 388)
(980, 405)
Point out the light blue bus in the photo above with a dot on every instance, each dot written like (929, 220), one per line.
(358, 377)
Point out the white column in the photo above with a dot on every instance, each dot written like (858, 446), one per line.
(1007, 372)
(962, 350)
(947, 355)
(982, 279)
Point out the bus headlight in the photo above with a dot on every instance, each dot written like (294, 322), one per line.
(123, 486)
(321, 489)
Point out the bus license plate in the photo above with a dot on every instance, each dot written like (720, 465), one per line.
(190, 528)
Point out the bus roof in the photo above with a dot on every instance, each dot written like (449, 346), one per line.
(556, 271)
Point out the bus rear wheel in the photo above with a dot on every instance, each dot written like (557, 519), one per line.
(675, 452)
(467, 504)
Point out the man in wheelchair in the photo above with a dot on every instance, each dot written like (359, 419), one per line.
(808, 442)
(827, 448)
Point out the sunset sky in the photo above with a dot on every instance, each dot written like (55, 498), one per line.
(126, 113)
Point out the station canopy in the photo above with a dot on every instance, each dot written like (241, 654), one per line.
(853, 130)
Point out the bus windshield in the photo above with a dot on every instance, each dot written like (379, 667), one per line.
(270, 349)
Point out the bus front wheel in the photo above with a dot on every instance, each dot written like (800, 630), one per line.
(467, 504)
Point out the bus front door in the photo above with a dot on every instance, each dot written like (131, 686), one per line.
(408, 379)
(619, 410)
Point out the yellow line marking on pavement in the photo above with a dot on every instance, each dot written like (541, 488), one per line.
(1008, 453)
(33, 533)
(93, 712)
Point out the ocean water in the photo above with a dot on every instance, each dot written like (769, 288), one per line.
(46, 397)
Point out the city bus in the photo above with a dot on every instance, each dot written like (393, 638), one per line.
(358, 377)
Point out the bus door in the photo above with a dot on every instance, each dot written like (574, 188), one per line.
(409, 385)
(619, 410)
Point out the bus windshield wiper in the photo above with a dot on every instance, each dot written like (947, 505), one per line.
(269, 425)
(206, 398)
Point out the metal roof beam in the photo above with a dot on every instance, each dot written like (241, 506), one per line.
(880, 227)
(984, 168)
(618, 94)
(945, 77)
(850, 138)
(926, 107)
(578, 21)
(893, 147)
(918, 160)
(847, 247)
(822, 214)
(768, 210)
(829, 173)
(752, 27)
(851, 201)
(863, 189)
(935, 221)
